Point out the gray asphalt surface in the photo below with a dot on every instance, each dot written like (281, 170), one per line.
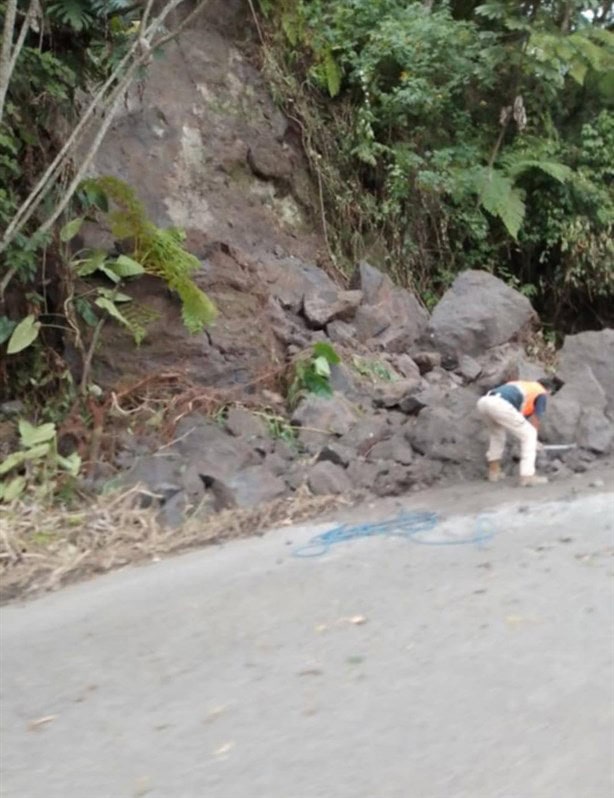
(382, 669)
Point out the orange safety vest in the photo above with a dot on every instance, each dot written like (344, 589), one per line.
(530, 392)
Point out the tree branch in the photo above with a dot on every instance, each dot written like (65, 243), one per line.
(5, 51)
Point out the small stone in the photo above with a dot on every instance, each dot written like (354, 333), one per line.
(597, 483)
(406, 366)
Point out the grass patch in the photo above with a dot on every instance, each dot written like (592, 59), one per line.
(43, 548)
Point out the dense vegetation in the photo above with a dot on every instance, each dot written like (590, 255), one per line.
(444, 134)
(65, 66)
(455, 134)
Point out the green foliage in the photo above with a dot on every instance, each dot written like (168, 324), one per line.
(156, 251)
(457, 136)
(37, 465)
(279, 427)
(24, 334)
(312, 373)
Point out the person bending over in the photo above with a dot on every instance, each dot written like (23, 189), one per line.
(516, 407)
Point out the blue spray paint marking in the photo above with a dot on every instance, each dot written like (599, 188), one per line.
(414, 526)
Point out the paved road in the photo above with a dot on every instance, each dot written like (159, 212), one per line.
(383, 669)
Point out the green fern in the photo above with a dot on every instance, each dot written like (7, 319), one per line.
(559, 171)
(501, 198)
(139, 317)
(160, 252)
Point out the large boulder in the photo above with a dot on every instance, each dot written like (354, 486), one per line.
(452, 431)
(587, 359)
(595, 431)
(568, 420)
(390, 318)
(560, 423)
(478, 312)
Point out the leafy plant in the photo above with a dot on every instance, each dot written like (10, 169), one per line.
(458, 138)
(37, 464)
(312, 373)
(154, 251)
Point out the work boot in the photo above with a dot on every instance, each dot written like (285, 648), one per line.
(494, 471)
(533, 481)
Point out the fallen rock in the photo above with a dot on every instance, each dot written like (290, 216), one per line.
(452, 432)
(582, 386)
(529, 369)
(254, 485)
(405, 365)
(276, 464)
(369, 322)
(332, 415)
(392, 394)
(286, 326)
(362, 474)
(412, 404)
(595, 431)
(336, 453)
(371, 281)
(560, 423)
(242, 424)
(365, 435)
(342, 379)
(594, 352)
(500, 364)
(479, 312)
(391, 318)
(427, 361)
(213, 451)
(322, 307)
(340, 332)
(392, 479)
(220, 495)
(468, 368)
(326, 477)
(425, 472)
(290, 279)
(395, 448)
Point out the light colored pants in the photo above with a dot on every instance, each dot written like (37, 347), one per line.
(503, 417)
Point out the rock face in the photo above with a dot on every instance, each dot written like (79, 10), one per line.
(479, 312)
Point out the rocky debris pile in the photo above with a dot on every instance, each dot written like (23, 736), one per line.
(402, 414)
(207, 149)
